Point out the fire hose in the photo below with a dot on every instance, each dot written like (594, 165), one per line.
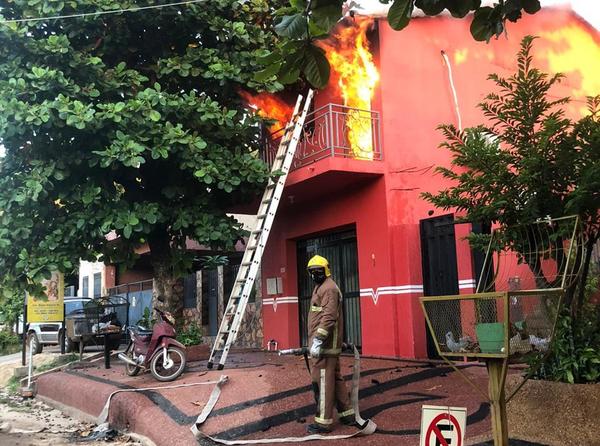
(367, 426)
(297, 352)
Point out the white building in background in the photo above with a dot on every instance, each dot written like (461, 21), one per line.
(91, 279)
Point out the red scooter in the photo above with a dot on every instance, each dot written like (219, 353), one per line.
(155, 349)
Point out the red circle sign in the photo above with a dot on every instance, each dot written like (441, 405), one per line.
(435, 431)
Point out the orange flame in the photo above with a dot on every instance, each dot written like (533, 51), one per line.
(352, 63)
(575, 52)
(269, 106)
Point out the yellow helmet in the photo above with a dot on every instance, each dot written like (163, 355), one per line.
(319, 262)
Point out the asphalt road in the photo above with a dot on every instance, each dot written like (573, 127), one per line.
(8, 359)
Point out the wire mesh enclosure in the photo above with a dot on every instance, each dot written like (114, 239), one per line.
(492, 324)
(98, 317)
(526, 270)
(543, 255)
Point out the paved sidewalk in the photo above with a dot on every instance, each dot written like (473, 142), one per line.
(270, 396)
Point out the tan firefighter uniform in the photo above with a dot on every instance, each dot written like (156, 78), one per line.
(325, 322)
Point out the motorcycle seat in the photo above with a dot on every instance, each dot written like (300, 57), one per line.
(142, 331)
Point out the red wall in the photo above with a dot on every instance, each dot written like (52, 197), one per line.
(414, 97)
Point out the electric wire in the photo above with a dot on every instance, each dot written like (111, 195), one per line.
(98, 13)
(447, 61)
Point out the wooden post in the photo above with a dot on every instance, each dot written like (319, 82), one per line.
(497, 376)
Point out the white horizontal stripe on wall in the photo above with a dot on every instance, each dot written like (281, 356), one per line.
(467, 283)
(280, 300)
(389, 290)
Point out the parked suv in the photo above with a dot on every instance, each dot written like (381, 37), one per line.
(50, 333)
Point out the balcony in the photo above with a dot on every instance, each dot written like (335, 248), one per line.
(334, 131)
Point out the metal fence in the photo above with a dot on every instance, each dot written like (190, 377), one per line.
(493, 324)
(333, 131)
(138, 295)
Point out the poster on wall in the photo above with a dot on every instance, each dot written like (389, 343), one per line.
(48, 307)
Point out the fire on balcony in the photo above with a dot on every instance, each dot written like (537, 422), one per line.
(328, 133)
(350, 130)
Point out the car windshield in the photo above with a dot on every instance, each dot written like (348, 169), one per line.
(72, 306)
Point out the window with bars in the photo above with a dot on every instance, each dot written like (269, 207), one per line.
(97, 284)
(189, 291)
(85, 286)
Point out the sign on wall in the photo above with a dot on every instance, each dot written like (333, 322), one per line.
(443, 426)
(50, 306)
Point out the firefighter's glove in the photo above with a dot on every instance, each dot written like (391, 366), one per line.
(315, 349)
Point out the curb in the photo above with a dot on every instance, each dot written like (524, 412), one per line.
(131, 412)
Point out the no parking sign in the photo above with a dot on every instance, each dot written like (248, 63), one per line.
(443, 426)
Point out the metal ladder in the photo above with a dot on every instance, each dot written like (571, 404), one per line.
(244, 281)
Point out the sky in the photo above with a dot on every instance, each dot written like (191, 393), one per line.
(589, 10)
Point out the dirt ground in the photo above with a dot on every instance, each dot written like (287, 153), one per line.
(556, 414)
(25, 422)
(6, 369)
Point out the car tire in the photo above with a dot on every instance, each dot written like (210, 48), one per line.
(69, 344)
(37, 346)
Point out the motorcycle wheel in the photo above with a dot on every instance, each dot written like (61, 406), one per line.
(177, 356)
(131, 370)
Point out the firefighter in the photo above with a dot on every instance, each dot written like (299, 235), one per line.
(325, 331)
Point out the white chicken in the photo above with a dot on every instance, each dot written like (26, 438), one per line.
(454, 346)
(540, 344)
(518, 345)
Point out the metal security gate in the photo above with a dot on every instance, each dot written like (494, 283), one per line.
(440, 272)
(340, 249)
(210, 300)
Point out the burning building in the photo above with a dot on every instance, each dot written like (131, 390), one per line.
(369, 150)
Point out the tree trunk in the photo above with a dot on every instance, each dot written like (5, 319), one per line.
(167, 290)
(585, 269)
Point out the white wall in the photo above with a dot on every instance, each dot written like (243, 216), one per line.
(88, 269)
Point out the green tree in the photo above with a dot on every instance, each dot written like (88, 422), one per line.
(126, 124)
(11, 305)
(529, 162)
(303, 22)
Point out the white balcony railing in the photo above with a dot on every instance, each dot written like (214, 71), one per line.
(333, 131)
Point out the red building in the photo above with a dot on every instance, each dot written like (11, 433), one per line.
(363, 210)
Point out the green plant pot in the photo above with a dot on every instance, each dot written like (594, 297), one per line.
(490, 337)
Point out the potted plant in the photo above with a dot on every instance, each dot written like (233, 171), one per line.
(191, 337)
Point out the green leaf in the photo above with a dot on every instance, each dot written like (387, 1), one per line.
(484, 24)
(269, 71)
(460, 8)
(316, 67)
(269, 58)
(399, 13)
(154, 115)
(292, 26)
(299, 5)
(531, 6)
(151, 218)
(326, 17)
(289, 76)
(127, 231)
(431, 7)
